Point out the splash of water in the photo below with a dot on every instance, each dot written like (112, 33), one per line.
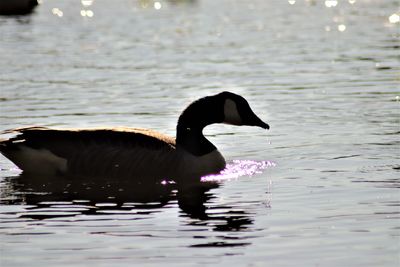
(238, 168)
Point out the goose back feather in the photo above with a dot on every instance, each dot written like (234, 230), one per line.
(106, 152)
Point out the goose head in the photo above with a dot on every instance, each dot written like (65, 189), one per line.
(237, 111)
(225, 107)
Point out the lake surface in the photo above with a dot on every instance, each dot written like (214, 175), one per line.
(323, 74)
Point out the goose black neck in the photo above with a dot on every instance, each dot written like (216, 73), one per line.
(199, 114)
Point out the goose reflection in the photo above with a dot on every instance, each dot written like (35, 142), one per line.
(45, 197)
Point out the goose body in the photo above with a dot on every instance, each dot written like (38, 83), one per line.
(132, 152)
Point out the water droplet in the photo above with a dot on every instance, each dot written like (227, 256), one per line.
(157, 5)
(89, 13)
(57, 12)
(86, 3)
(341, 27)
(394, 18)
(331, 3)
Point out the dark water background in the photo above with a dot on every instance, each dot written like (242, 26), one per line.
(325, 78)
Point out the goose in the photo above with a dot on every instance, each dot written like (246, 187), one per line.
(134, 153)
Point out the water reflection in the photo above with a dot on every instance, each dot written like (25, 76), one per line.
(87, 200)
(44, 195)
(55, 197)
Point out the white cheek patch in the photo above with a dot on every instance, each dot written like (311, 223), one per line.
(231, 113)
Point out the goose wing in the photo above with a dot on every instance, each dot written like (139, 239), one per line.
(110, 151)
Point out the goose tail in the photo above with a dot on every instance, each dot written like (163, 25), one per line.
(28, 159)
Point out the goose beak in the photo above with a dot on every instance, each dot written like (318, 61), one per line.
(256, 121)
(262, 124)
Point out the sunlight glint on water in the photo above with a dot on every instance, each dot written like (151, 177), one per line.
(239, 168)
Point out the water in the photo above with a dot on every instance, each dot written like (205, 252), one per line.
(324, 78)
